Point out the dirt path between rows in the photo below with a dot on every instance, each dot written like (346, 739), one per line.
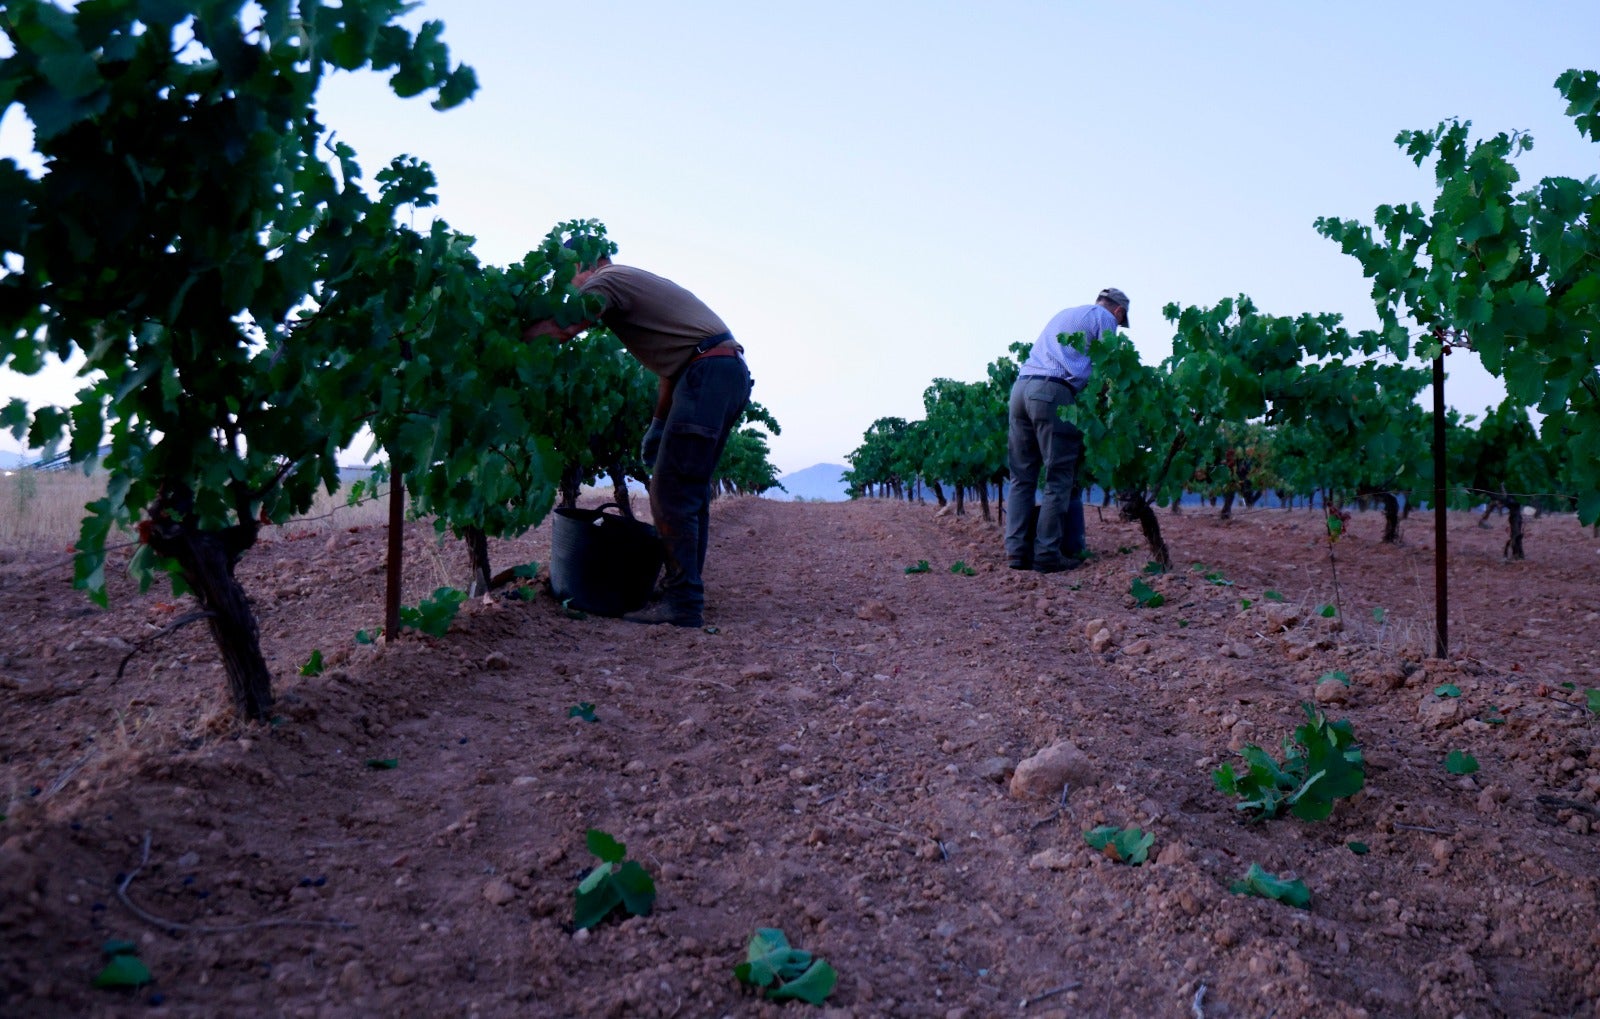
(837, 760)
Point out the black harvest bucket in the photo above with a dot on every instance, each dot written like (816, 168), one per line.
(603, 562)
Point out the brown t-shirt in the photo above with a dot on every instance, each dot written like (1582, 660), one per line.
(658, 321)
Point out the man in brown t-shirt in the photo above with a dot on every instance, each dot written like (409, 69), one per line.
(704, 386)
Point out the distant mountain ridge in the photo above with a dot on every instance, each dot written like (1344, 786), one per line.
(821, 482)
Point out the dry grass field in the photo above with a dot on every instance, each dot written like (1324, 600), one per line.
(42, 510)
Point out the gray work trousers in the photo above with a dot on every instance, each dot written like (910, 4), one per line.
(1039, 439)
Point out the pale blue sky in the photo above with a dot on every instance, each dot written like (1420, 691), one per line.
(876, 194)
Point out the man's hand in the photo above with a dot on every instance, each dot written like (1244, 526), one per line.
(652, 441)
(548, 327)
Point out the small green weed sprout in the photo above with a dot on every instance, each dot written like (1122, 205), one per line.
(616, 883)
(787, 974)
(123, 969)
(1263, 884)
(434, 614)
(1147, 596)
(1124, 845)
(1321, 764)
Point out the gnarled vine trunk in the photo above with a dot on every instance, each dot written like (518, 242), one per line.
(938, 492)
(206, 560)
(1513, 549)
(477, 561)
(619, 490)
(1391, 514)
(1136, 506)
(569, 486)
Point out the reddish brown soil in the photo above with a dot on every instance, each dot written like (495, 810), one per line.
(832, 761)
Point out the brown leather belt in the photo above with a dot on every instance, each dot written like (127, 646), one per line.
(733, 351)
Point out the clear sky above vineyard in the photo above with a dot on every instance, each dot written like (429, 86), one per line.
(873, 195)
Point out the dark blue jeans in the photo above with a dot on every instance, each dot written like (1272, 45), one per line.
(1040, 440)
(706, 404)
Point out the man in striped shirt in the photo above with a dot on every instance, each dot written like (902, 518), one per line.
(1049, 538)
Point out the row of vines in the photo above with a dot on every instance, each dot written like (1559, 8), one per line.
(246, 304)
(1250, 402)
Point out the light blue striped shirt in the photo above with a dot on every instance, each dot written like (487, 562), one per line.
(1064, 360)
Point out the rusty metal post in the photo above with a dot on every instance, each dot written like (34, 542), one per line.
(1441, 579)
(397, 519)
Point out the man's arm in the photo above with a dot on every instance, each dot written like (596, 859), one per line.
(651, 446)
(560, 333)
(548, 327)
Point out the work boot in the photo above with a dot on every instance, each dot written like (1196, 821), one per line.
(661, 612)
(1057, 567)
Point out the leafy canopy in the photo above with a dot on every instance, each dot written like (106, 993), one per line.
(192, 216)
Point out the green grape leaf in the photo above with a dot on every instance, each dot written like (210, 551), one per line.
(434, 614)
(786, 973)
(813, 986)
(1146, 595)
(124, 971)
(637, 888)
(604, 846)
(1124, 845)
(594, 903)
(1263, 884)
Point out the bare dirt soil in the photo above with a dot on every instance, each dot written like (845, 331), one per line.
(835, 760)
